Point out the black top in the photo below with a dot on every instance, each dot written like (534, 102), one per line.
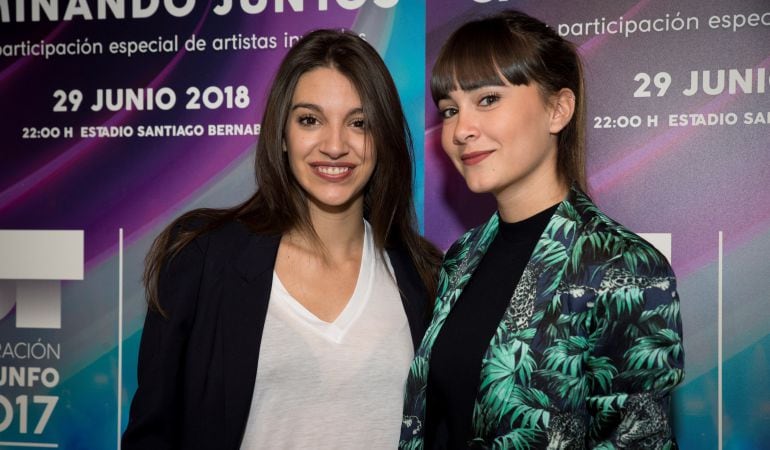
(453, 379)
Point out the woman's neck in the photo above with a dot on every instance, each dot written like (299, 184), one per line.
(340, 232)
(529, 198)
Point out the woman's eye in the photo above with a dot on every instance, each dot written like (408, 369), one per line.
(447, 113)
(489, 99)
(358, 123)
(307, 121)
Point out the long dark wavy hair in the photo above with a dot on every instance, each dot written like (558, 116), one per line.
(280, 204)
(522, 49)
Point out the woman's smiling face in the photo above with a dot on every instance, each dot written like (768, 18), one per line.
(331, 155)
(500, 138)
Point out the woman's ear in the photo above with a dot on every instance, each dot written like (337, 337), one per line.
(562, 109)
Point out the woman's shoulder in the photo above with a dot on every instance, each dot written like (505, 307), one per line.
(603, 240)
(217, 238)
(482, 232)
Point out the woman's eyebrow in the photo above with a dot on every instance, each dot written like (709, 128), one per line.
(312, 106)
(354, 111)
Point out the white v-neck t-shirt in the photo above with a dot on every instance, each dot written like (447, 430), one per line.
(337, 385)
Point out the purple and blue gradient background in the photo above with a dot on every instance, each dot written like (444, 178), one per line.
(691, 182)
(140, 184)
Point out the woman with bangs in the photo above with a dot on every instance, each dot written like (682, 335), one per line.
(289, 321)
(554, 326)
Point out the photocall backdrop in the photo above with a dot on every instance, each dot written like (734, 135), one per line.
(119, 116)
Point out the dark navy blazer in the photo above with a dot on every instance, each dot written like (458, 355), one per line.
(197, 367)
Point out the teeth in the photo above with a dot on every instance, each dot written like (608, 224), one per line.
(329, 170)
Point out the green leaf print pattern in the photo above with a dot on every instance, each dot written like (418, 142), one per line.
(590, 340)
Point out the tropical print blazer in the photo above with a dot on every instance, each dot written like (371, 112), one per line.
(587, 352)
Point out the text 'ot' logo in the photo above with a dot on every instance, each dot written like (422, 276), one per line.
(32, 265)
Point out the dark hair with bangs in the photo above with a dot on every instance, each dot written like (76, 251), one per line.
(523, 50)
(280, 204)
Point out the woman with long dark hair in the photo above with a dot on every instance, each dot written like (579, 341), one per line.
(290, 320)
(554, 326)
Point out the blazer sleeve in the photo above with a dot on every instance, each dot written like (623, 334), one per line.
(638, 357)
(156, 409)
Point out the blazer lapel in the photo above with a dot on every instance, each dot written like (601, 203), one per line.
(456, 273)
(412, 293)
(458, 266)
(246, 296)
(518, 330)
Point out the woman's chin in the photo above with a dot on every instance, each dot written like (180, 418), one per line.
(336, 204)
(478, 187)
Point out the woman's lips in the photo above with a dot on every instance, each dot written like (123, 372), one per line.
(333, 172)
(473, 158)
